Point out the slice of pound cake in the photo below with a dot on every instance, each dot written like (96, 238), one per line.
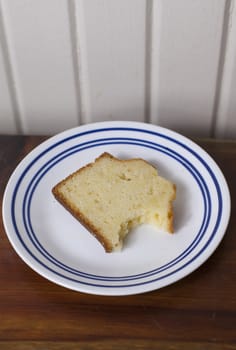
(111, 196)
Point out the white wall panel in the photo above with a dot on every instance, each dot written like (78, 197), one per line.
(186, 43)
(66, 62)
(40, 46)
(226, 111)
(114, 32)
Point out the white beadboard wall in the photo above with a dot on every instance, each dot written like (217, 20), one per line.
(68, 62)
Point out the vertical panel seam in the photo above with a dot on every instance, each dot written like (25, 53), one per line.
(75, 63)
(10, 73)
(221, 65)
(155, 12)
(79, 61)
(148, 60)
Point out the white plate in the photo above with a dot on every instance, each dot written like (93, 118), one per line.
(56, 246)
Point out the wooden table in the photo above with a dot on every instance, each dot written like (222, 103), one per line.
(197, 313)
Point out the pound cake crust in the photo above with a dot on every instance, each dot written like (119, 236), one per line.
(110, 196)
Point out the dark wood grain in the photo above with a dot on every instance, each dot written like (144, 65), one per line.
(198, 312)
